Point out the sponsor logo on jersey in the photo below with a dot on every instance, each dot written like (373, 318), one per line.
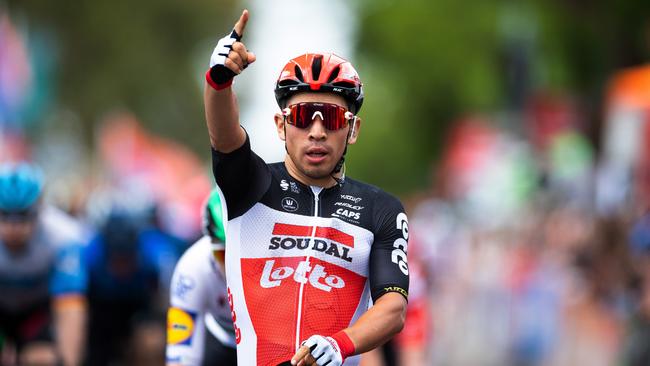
(303, 273)
(322, 239)
(396, 289)
(294, 187)
(348, 205)
(348, 214)
(183, 285)
(351, 198)
(284, 185)
(348, 211)
(398, 255)
(289, 204)
(173, 360)
(234, 318)
(180, 326)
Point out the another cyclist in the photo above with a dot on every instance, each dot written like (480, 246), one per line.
(42, 278)
(307, 246)
(199, 324)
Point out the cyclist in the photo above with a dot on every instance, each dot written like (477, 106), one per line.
(42, 278)
(307, 246)
(199, 325)
(130, 263)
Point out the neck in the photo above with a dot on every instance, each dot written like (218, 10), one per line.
(325, 182)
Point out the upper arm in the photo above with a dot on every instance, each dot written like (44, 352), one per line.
(69, 274)
(388, 263)
(242, 176)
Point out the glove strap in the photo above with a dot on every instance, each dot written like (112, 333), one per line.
(214, 84)
(345, 344)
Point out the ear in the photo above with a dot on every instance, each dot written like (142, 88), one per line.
(354, 130)
(279, 125)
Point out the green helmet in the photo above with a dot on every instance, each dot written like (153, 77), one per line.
(214, 217)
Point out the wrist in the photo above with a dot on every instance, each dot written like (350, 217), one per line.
(214, 84)
(345, 344)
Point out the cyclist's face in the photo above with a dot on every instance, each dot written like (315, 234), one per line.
(16, 234)
(314, 151)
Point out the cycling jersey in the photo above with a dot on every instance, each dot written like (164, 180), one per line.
(303, 260)
(50, 265)
(198, 296)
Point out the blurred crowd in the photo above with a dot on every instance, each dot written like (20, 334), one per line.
(530, 248)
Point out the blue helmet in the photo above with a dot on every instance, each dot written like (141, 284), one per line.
(21, 185)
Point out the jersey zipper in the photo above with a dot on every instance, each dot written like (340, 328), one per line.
(307, 266)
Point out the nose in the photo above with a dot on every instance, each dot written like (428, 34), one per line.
(317, 130)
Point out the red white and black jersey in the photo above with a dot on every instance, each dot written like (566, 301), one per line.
(303, 260)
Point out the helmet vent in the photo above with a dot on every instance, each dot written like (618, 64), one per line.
(299, 73)
(334, 74)
(316, 67)
(287, 82)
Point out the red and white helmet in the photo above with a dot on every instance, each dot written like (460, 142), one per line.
(320, 72)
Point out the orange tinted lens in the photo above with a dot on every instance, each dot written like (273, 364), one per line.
(303, 114)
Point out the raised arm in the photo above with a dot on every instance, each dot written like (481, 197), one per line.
(229, 59)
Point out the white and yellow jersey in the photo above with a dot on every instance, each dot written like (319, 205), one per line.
(198, 301)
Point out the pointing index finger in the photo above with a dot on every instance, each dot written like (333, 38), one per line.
(241, 23)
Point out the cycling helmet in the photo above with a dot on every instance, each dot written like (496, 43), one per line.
(321, 72)
(21, 185)
(213, 218)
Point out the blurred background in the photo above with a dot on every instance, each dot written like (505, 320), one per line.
(516, 132)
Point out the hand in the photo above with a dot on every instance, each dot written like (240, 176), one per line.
(230, 57)
(318, 350)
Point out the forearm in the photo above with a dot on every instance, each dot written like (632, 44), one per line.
(222, 116)
(70, 315)
(379, 324)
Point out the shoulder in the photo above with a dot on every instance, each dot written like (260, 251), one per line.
(196, 257)
(357, 191)
(277, 169)
(385, 210)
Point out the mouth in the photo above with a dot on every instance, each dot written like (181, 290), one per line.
(316, 154)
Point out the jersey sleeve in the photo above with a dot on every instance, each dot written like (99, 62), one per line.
(242, 176)
(185, 329)
(389, 270)
(69, 274)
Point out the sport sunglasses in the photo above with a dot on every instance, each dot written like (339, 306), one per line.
(302, 115)
(18, 216)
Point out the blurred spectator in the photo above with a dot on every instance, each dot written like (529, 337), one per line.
(130, 264)
(636, 351)
(42, 277)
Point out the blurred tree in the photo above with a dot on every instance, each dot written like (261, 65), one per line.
(137, 55)
(425, 63)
